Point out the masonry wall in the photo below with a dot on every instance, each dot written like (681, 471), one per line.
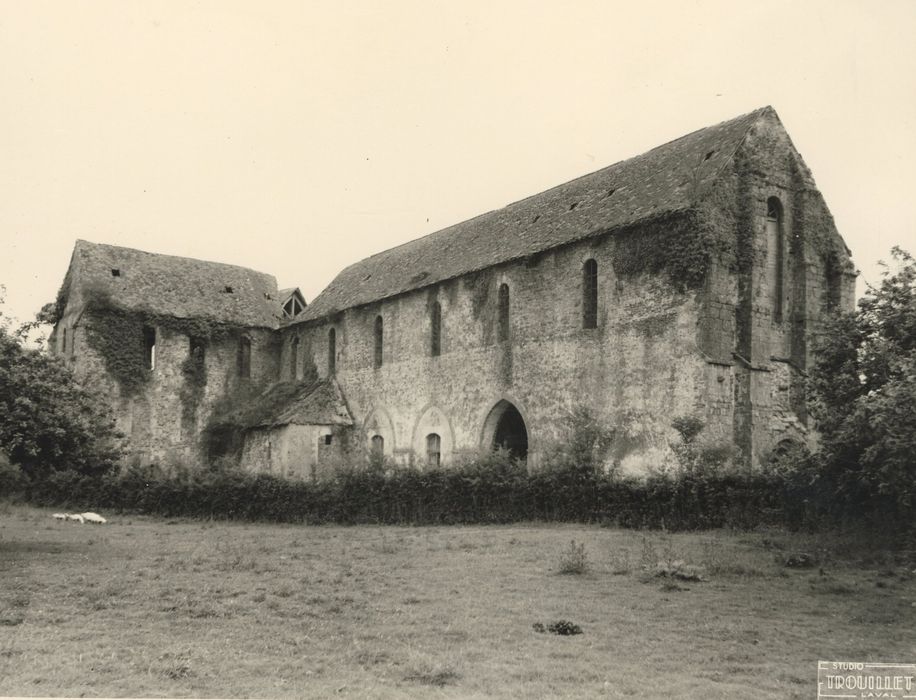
(764, 306)
(292, 451)
(165, 417)
(637, 370)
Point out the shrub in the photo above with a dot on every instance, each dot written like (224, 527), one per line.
(863, 395)
(48, 420)
(11, 480)
(573, 560)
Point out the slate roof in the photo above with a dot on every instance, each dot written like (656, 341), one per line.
(292, 403)
(662, 181)
(175, 286)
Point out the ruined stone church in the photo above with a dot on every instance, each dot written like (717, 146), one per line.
(688, 281)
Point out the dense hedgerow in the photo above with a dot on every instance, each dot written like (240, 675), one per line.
(493, 490)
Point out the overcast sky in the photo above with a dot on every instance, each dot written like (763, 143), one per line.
(298, 137)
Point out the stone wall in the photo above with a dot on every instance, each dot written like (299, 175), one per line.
(637, 370)
(165, 416)
(762, 309)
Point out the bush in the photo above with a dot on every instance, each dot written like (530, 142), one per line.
(492, 490)
(48, 420)
(573, 560)
(11, 479)
(863, 395)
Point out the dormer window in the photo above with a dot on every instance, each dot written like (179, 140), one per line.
(293, 307)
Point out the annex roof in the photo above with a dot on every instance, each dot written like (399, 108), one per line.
(176, 286)
(662, 181)
(317, 402)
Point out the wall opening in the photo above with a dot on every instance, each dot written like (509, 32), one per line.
(590, 294)
(379, 337)
(294, 359)
(435, 329)
(149, 344)
(504, 428)
(502, 325)
(244, 358)
(775, 256)
(377, 448)
(433, 450)
(332, 352)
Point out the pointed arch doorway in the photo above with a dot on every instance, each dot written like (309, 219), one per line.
(504, 428)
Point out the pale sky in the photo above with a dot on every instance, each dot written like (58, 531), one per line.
(298, 137)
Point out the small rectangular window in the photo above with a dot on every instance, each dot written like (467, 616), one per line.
(328, 439)
(149, 343)
(115, 272)
(244, 358)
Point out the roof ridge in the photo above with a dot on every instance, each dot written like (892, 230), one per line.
(93, 244)
(666, 144)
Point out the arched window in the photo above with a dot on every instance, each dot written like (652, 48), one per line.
(433, 450)
(332, 351)
(149, 344)
(590, 294)
(244, 357)
(502, 323)
(775, 256)
(379, 336)
(435, 329)
(294, 359)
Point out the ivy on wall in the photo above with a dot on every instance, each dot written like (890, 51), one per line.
(117, 335)
(681, 246)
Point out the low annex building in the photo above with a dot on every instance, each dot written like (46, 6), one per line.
(687, 281)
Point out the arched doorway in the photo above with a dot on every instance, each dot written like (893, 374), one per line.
(505, 428)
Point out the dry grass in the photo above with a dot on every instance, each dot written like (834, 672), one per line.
(146, 607)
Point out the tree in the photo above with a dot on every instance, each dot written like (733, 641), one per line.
(863, 394)
(48, 420)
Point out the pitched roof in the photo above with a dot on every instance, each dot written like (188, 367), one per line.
(292, 403)
(175, 286)
(662, 181)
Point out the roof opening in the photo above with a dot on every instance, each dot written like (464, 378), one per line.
(267, 295)
(709, 155)
(611, 191)
(419, 277)
(115, 272)
(535, 219)
(292, 306)
(573, 205)
(227, 289)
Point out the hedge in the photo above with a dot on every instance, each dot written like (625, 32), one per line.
(460, 496)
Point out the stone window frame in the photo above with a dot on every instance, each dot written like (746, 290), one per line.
(243, 357)
(435, 329)
(590, 293)
(378, 336)
(433, 450)
(294, 358)
(503, 313)
(149, 343)
(776, 214)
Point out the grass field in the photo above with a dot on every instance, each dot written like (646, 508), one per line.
(147, 607)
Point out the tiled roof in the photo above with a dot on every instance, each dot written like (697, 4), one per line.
(175, 286)
(292, 403)
(666, 179)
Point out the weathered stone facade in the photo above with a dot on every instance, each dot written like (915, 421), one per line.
(690, 281)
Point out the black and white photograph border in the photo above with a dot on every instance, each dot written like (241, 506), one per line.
(483, 349)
